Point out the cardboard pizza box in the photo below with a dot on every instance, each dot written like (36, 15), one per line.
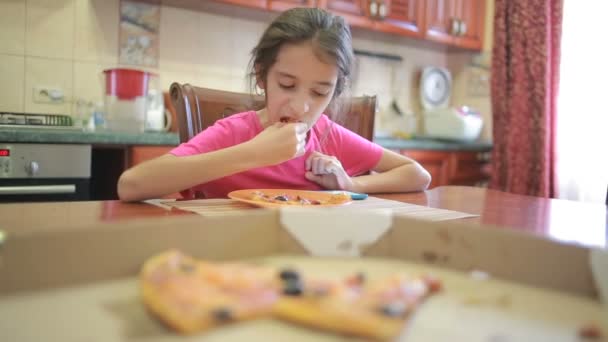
(80, 283)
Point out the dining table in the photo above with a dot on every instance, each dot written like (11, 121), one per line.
(562, 220)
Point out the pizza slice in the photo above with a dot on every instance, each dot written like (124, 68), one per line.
(354, 306)
(191, 296)
(287, 199)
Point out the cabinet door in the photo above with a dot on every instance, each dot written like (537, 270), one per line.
(282, 5)
(404, 17)
(441, 22)
(469, 168)
(248, 3)
(471, 14)
(356, 12)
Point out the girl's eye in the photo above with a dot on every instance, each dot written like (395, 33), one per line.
(318, 94)
(286, 86)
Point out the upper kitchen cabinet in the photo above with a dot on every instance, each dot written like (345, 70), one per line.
(282, 5)
(403, 17)
(456, 22)
(472, 17)
(263, 4)
(354, 11)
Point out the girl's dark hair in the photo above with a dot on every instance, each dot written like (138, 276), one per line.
(330, 36)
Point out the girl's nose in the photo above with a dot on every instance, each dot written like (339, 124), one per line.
(300, 106)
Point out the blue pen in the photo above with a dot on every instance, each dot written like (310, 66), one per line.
(353, 195)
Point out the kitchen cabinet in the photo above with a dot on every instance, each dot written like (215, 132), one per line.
(263, 4)
(455, 22)
(453, 167)
(404, 17)
(356, 12)
(283, 5)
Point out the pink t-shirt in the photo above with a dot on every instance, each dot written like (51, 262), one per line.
(357, 154)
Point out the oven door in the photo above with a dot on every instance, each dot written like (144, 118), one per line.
(44, 190)
(44, 172)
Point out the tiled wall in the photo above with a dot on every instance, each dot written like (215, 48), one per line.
(67, 44)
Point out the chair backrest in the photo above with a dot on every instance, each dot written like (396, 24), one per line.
(198, 108)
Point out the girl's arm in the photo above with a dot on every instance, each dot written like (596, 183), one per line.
(168, 174)
(395, 173)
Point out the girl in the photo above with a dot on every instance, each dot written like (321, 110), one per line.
(302, 63)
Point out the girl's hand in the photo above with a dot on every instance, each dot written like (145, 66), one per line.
(328, 172)
(280, 142)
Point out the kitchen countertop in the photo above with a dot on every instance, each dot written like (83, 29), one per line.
(59, 136)
(66, 136)
(433, 144)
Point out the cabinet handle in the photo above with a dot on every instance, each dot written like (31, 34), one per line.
(455, 30)
(382, 10)
(462, 30)
(373, 8)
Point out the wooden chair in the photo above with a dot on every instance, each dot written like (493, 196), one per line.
(198, 108)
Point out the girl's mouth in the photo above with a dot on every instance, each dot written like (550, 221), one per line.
(287, 119)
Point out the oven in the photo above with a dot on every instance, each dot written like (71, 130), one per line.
(44, 172)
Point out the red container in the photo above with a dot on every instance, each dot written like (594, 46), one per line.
(126, 84)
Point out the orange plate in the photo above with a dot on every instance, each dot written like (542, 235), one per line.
(246, 194)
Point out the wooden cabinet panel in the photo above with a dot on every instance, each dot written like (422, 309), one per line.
(248, 3)
(455, 22)
(283, 5)
(441, 20)
(405, 17)
(356, 12)
(472, 16)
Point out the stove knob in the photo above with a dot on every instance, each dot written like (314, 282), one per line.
(32, 168)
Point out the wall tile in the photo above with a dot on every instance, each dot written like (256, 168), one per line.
(180, 34)
(216, 38)
(48, 72)
(89, 81)
(12, 27)
(244, 41)
(96, 30)
(219, 82)
(11, 93)
(167, 77)
(49, 30)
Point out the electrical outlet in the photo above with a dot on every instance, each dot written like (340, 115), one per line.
(48, 95)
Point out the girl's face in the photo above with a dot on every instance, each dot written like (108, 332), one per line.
(299, 86)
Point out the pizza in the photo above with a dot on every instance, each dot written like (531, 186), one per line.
(356, 306)
(192, 296)
(298, 199)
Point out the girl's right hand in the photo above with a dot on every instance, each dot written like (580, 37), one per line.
(280, 142)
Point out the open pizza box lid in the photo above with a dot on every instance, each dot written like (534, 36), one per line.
(77, 267)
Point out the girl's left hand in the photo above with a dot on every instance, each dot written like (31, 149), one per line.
(328, 172)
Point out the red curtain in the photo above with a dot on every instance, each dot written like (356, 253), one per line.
(525, 78)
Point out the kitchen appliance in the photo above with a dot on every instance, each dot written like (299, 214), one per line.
(44, 172)
(158, 119)
(440, 120)
(126, 99)
(46, 121)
